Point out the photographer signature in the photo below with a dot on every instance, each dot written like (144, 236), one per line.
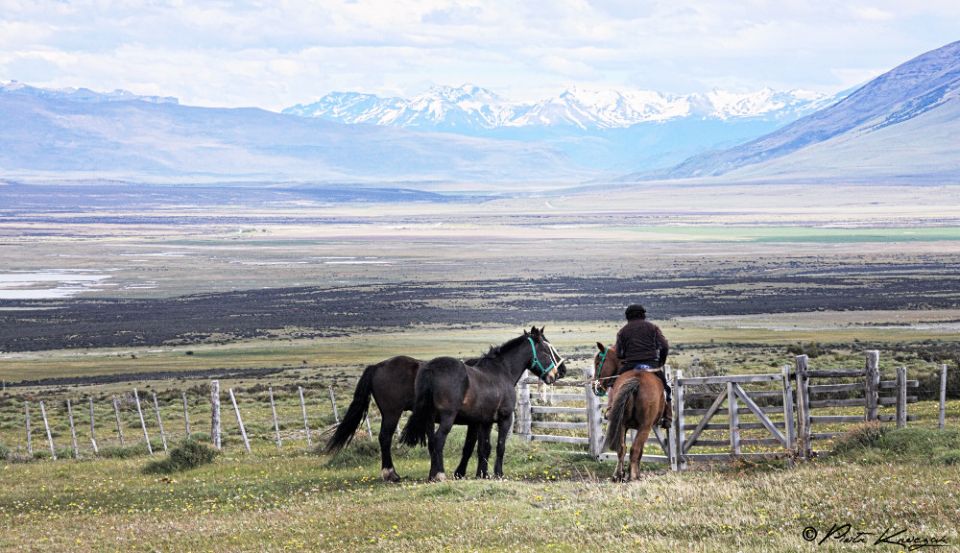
(846, 533)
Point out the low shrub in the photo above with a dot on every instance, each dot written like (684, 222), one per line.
(4, 452)
(862, 436)
(186, 455)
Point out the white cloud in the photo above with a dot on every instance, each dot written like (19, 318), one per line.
(277, 54)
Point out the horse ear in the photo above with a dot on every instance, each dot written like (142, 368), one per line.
(534, 331)
(600, 347)
(542, 328)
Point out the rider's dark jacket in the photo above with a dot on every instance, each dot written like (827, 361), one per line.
(640, 341)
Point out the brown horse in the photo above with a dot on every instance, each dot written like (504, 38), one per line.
(391, 384)
(636, 401)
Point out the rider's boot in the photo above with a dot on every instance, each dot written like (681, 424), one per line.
(666, 419)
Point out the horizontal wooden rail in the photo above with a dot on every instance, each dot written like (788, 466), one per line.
(892, 384)
(836, 418)
(725, 411)
(743, 425)
(739, 379)
(729, 456)
(559, 439)
(831, 388)
(554, 410)
(837, 373)
(559, 425)
(743, 441)
(854, 402)
(646, 458)
(893, 400)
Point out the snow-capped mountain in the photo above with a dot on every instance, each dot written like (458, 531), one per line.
(470, 109)
(440, 108)
(82, 94)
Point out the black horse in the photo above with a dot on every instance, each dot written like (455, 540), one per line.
(391, 384)
(451, 392)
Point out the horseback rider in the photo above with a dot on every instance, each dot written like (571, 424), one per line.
(642, 346)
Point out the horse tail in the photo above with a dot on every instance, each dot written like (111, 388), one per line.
(420, 423)
(617, 412)
(355, 413)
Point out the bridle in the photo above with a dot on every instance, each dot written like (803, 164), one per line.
(598, 389)
(555, 359)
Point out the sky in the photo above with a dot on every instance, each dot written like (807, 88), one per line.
(274, 54)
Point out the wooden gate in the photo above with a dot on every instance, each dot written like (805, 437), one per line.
(736, 403)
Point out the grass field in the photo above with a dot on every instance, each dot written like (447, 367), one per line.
(551, 501)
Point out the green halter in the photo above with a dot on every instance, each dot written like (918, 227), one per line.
(536, 364)
(597, 390)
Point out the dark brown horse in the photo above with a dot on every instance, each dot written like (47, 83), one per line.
(450, 392)
(391, 384)
(636, 401)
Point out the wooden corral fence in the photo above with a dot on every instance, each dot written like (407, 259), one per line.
(860, 388)
(731, 416)
(715, 417)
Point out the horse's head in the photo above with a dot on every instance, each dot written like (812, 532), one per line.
(546, 362)
(605, 365)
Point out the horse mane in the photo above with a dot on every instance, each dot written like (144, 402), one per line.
(496, 351)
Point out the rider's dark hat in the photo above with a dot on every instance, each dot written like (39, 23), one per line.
(635, 311)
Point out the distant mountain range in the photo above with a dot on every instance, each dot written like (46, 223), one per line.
(900, 126)
(469, 109)
(903, 125)
(602, 130)
(81, 133)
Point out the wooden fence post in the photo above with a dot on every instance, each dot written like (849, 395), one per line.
(871, 385)
(333, 402)
(186, 414)
(679, 425)
(303, 409)
(143, 423)
(734, 419)
(672, 446)
(901, 397)
(594, 429)
(788, 413)
(93, 430)
(73, 431)
(46, 425)
(941, 419)
(243, 431)
(215, 413)
(156, 408)
(26, 409)
(276, 423)
(524, 416)
(366, 419)
(803, 408)
(116, 411)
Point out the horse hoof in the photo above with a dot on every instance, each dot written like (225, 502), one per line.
(440, 477)
(389, 475)
(458, 475)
